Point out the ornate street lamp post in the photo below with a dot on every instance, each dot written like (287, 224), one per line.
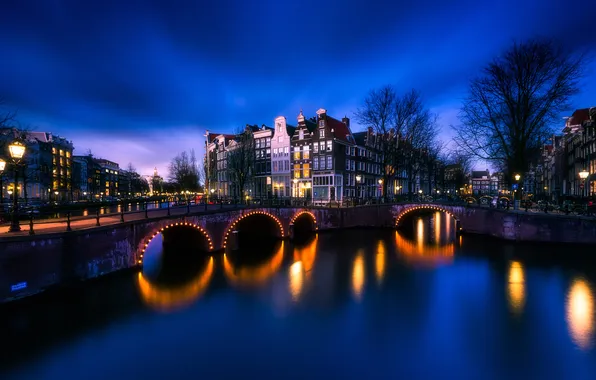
(17, 151)
(583, 175)
(517, 177)
(2, 166)
(358, 186)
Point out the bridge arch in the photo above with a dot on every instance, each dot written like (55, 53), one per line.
(305, 214)
(235, 222)
(425, 207)
(203, 231)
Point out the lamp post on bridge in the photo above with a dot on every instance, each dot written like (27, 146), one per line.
(17, 151)
(2, 166)
(583, 175)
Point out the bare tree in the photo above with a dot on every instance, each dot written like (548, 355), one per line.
(241, 160)
(184, 172)
(417, 130)
(378, 113)
(510, 109)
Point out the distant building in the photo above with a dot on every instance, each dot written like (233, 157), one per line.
(109, 180)
(280, 158)
(481, 182)
(262, 183)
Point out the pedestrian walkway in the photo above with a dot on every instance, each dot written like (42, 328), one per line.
(90, 222)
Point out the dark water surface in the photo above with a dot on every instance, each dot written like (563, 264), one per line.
(368, 304)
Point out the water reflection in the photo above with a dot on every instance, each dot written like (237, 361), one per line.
(167, 299)
(421, 251)
(300, 270)
(516, 291)
(358, 275)
(239, 275)
(580, 313)
(380, 262)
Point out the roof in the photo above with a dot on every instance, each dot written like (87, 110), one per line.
(310, 125)
(360, 138)
(480, 173)
(290, 129)
(212, 136)
(340, 129)
(579, 116)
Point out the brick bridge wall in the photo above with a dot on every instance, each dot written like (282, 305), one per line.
(29, 264)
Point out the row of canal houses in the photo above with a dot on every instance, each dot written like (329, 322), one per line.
(319, 158)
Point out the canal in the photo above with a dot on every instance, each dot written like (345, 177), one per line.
(361, 304)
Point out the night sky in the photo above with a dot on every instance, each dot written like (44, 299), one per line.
(140, 81)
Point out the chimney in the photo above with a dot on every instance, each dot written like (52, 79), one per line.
(592, 114)
(346, 121)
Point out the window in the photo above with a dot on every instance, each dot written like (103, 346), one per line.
(287, 165)
(268, 142)
(347, 164)
(322, 162)
(321, 123)
(315, 165)
(353, 165)
(280, 139)
(352, 151)
(329, 145)
(347, 151)
(301, 134)
(297, 153)
(275, 166)
(315, 148)
(257, 143)
(306, 170)
(286, 150)
(329, 162)
(322, 147)
(321, 133)
(306, 154)
(274, 152)
(296, 170)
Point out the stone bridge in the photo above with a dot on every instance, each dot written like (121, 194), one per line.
(29, 264)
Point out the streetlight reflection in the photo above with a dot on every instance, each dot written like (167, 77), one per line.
(516, 291)
(300, 271)
(580, 313)
(380, 262)
(358, 276)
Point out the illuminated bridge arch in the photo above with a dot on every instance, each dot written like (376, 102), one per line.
(173, 225)
(429, 207)
(309, 214)
(233, 225)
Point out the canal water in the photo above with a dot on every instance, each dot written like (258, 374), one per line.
(353, 304)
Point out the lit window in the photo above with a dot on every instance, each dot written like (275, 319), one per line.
(321, 133)
(306, 170)
(329, 145)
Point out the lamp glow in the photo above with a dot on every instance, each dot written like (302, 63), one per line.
(17, 150)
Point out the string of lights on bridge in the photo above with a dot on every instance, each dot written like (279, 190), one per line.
(299, 214)
(235, 222)
(423, 207)
(193, 225)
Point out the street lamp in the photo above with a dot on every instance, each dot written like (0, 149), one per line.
(17, 151)
(517, 177)
(583, 175)
(2, 166)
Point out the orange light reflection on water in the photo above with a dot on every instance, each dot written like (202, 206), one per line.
(358, 276)
(380, 258)
(516, 291)
(172, 299)
(253, 276)
(420, 252)
(580, 313)
(300, 271)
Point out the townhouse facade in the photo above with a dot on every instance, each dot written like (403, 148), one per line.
(281, 174)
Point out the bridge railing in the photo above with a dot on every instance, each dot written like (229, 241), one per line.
(94, 216)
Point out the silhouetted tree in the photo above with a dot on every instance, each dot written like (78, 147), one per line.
(510, 109)
(184, 172)
(403, 128)
(241, 160)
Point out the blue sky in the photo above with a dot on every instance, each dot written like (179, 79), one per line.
(140, 81)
